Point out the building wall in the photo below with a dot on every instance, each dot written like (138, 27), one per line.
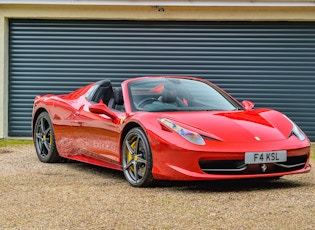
(3, 76)
(199, 13)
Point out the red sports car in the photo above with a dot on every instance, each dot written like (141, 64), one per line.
(168, 128)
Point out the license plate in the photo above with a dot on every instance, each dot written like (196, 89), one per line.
(265, 157)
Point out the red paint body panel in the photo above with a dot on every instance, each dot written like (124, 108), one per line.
(96, 138)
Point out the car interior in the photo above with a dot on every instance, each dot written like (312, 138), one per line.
(111, 96)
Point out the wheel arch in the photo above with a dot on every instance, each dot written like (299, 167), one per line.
(127, 128)
(39, 111)
(124, 132)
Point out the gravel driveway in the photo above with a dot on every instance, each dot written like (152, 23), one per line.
(34, 195)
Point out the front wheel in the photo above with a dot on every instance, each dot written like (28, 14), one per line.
(44, 139)
(137, 158)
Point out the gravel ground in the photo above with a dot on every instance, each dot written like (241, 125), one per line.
(34, 195)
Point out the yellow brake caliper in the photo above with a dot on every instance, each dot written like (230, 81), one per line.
(50, 140)
(129, 154)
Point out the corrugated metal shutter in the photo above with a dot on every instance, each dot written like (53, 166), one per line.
(271, 63)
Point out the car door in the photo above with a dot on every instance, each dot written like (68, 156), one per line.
(97, 135)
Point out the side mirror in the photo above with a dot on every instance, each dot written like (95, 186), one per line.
(101, 108)
(248, 105)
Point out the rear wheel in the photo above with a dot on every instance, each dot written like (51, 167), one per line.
(137, 158)
(44, 139)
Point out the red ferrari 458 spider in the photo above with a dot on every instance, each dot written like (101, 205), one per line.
(168, 128)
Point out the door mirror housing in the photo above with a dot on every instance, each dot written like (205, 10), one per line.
(101, 108)
(248, 105)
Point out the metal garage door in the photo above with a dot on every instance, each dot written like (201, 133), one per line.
(270, 63)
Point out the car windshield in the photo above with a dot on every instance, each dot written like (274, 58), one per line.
(178, 94)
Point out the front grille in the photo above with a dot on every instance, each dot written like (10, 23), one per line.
(238, 167)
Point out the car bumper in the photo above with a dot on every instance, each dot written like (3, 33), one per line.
(224, 161)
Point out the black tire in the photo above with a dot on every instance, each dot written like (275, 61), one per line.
(44, 139)
(137, 159)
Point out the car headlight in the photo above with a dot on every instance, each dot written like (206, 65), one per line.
(297, 132)
(190, 136)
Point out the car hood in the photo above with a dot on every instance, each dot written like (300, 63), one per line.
(236, 126)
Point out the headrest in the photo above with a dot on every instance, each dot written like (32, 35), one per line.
(118, 96)
(169, 93)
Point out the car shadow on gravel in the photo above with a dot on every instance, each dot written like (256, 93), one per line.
(234, 185)
(200, 186)
(106, 173)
